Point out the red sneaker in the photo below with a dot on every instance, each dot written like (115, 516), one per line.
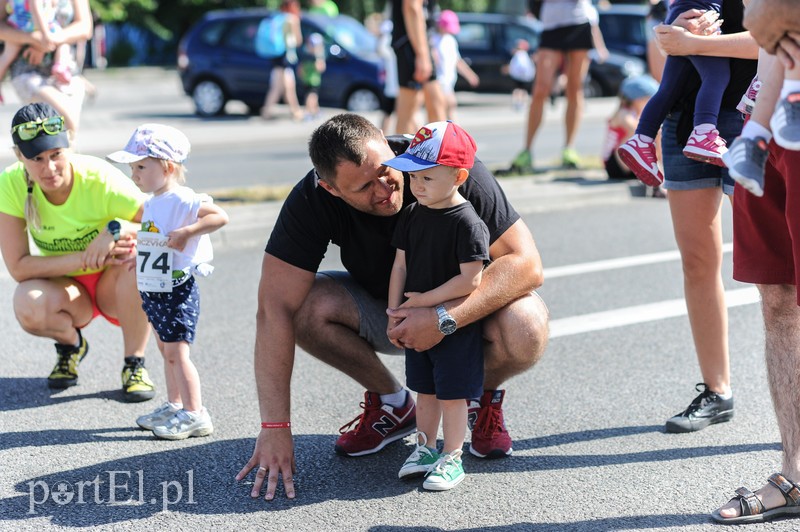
(490, 438)
(706, 147)
(640, 157)
(378, 426)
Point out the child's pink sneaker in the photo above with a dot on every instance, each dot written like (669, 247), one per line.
(748, 100)
(706, 147)
(640, 157)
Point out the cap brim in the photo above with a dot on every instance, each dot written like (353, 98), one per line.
(409, 163)
(123, 156)
(41, 143)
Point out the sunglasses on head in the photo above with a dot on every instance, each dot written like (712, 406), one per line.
(28, 130)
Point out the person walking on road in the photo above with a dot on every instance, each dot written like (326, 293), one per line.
(695, 192)
(282, 81)
(173, 247)
(415, 71)
(353, 199)
(77, 209)
(442, 246)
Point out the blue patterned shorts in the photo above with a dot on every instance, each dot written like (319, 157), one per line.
(174, 314)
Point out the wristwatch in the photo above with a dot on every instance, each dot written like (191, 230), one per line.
(114, 228)
(447, 325)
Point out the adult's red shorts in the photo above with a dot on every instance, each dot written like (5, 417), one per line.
(89, 282)
(766, 230)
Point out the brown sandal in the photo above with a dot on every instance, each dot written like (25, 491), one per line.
(752, 509)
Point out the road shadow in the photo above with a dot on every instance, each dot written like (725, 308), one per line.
(31, 392)
(636, 522)
(196, 479)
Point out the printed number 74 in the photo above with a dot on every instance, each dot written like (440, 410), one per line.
(160, 263)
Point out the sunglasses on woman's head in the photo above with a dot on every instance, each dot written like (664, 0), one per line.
(28, 130)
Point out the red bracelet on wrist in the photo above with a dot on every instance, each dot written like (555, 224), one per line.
(278, 425)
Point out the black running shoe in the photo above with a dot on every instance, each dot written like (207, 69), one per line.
(707, 409)
(65, 372)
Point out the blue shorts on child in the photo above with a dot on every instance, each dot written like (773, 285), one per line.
(174, 314)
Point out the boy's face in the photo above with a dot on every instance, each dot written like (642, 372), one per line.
(149, 175)
(435, 186)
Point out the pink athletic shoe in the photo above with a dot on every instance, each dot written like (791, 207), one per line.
(62, 73)
(748, 100)
(706, 147)
(640, 157)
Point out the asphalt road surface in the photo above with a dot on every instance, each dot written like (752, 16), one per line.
(590, 452)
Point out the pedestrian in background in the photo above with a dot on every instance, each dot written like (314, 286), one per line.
(312, 66)
(448, 61)
(415, 70)
(521, 69)
(284, 26)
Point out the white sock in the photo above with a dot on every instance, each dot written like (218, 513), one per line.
(175, 406)
(753, 129)
(702, 129)
(726, 395)
(396, 399)
(645, 138)
(789, 86)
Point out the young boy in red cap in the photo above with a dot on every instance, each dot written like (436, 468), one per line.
(442, 246)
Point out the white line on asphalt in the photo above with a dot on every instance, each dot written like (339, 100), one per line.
(640, 313)
(615, 264)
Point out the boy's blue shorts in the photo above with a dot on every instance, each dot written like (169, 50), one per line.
(174, 314)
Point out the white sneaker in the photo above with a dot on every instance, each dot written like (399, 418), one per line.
(157, 416)
(184, 424)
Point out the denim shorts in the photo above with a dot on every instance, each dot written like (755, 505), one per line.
(682, 173)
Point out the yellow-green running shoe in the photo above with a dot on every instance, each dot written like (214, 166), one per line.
(65, 372)
(523, 162)
(136, 383)
(570, 158)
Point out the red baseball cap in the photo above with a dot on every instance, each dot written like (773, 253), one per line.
(438, 143)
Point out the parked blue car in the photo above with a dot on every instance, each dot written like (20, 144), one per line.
(218, 63)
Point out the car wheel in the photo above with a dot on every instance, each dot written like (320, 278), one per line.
(209, 98)
(363, 100)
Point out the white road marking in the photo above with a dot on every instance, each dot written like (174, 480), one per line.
(618, 263)
(640, 313)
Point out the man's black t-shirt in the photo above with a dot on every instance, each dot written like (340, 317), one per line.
(311, 218)
(399, 32)
(437, 242)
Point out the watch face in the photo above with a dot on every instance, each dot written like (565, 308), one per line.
(114, 226)
(447, 326)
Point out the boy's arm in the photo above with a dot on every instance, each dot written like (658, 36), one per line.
(457, 286)
(397, 280)
(41, 23)
(210, 217)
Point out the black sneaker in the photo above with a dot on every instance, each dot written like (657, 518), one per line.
(65, 373)
(707, 409)
(136, 383)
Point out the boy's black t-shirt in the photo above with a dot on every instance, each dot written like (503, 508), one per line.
(437, 241)
(311, 219)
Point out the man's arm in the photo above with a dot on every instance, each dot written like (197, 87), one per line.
(281, 292)
(516, 270)
(414, 19)
(770, 20)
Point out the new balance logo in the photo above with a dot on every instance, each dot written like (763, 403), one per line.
(384, 425)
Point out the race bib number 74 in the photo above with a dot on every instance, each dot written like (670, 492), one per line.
(153, 262)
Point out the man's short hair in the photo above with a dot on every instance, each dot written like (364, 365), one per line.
(341, 138)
